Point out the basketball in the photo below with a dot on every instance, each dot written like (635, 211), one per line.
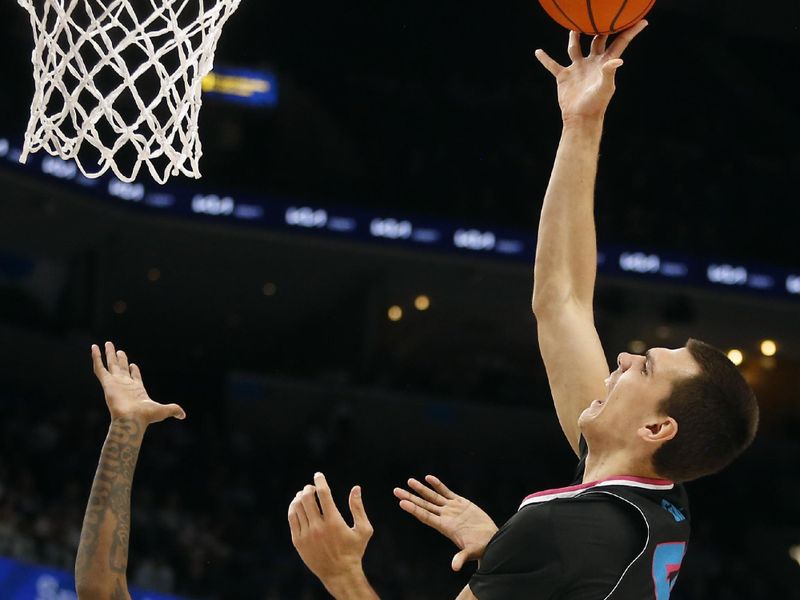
(597, 16)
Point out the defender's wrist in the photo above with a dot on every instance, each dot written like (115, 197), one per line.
(586, 123)
(132, 424)
(350, 584)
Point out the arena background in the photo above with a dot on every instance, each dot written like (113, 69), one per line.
(259, 297)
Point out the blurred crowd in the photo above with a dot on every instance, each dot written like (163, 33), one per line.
(210, 500)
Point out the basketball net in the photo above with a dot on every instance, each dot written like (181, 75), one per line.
(119, 77)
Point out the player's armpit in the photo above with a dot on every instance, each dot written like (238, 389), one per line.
(575, 363)
(466, 594)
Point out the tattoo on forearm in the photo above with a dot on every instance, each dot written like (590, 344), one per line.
(107, 519)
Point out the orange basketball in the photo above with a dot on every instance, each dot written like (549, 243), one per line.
(597, 16)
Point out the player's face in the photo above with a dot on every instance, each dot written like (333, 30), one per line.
(633, 395)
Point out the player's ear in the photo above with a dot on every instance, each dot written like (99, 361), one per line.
(660, 430)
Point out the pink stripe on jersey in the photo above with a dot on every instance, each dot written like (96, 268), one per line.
(574, 490)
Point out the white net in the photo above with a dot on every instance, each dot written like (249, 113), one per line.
(118, 82)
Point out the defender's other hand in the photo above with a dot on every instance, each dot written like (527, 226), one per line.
(328, 546)
(124, 389)
(458, 519)
(586, 86)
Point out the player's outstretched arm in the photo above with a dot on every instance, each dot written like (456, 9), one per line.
(101, 565)
(455, 517)
(566, 251)
(329, 547)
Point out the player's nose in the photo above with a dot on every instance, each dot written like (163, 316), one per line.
(624, 361)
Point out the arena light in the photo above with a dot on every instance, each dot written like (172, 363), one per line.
(736, 356)
(269, 289)
(395, 313)
(153, 275)
(242, 86)
(769, 348)
(637, 346)
(422, 302)
(794, 553)
(120, 307)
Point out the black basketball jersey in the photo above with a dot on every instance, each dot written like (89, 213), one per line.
(622, 538)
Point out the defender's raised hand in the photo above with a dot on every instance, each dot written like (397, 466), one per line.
(329, 547)
(586, 86)
(102, 561)
(456, 518)
(124, 389)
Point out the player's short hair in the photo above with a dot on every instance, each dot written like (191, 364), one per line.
(717, 416)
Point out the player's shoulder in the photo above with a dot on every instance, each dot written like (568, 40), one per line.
(598, 522)
(666, 503)
(528, 521)
(596, 510)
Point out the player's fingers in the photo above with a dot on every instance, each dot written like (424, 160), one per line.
(599, 44)
(122, 359)
(360, 520)
(175, 411)
(294, 522)
(308, 497)
(97, 362)
(610, 69)
(459, 560)
(574, 46)
(111, 358)
(155, 412)
(325, 498)
(426, 492)
(423, 516)
(136, 373)
(404, 495)
(437, 484)
(616, 49)
(548, 63)
(299, 511)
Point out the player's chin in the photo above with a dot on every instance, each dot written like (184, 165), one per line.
(592, 412)
(596, 407)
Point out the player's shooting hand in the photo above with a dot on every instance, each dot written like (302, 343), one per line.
(328, 546)
(458, 519)
(586, 86)
(124, 389)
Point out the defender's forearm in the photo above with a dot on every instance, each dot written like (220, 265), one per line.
(100, 568)
(351, 586)
(566, 251)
